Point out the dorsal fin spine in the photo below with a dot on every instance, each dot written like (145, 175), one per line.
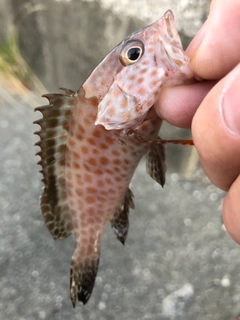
(53, 136)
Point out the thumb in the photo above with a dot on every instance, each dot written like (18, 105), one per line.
(215, 49)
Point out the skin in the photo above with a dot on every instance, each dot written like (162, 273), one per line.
(211, 108)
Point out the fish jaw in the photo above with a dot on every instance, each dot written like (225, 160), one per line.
(136, 87)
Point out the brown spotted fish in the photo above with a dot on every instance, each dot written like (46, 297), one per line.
(91, 143)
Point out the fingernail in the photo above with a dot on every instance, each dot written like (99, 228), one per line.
(197, 40)
(229, 102)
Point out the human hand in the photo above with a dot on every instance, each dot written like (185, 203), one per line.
(212, 107)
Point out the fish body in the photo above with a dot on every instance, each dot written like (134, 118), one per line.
(90, 144)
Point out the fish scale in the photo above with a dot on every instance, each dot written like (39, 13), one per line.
(91, 143)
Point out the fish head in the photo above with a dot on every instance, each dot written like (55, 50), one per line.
(141, 64)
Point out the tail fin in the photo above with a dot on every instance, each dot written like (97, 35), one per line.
(82, 278)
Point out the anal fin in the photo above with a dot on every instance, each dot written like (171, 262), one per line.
(53, 135)
(119, 221)
(155, 164)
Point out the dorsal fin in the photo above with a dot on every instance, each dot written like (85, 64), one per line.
(53, 135)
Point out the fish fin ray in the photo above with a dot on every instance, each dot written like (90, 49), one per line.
(155, 164)
(82, 279)
(53, 135)
(120, 222)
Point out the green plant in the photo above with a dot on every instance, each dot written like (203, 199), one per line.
(11, 61)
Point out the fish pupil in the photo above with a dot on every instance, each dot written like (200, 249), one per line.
(134, 53)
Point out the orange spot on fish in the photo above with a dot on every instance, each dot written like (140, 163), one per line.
(108, 103)
(92, 117)
(97, 133)
(101, 199)
(103, 146)
(78, 177)
(76, 165)
(144, 127)
(82, 99)
(71, 142)
(98, 219)
(95, 151)
(79, 113)
(109, 140)
(144, 70)
(116, 93)
(108, 181)
(153, 73)
(123, 103)
(104, 161)
(91, 141)
(80, 203)
(104, 193)
(81, 128)
(124, 116)
(91, 190)
(92, 162)
(154, 83)
(94, 101)
(138, 108)
(89, 199)
(140, 80)
(111, 111)
(100, 183)
(84, 149)
(142, 91)
(79, 136)
(79, 192)
(178, 62)
(124, 149)
(116, 153)
(86, 167)
(117, 161)
(76, 155)
(109, 171)
(88, 178)
(90, 221)
(98, 172)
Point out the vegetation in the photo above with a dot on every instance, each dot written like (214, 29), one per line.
(11, 62)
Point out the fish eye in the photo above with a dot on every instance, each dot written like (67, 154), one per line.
(131, 52)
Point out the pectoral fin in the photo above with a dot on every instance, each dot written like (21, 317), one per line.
(155, 164)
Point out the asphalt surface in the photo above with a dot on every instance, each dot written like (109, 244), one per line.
(178, 261)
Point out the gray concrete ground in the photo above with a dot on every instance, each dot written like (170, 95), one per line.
(178, 262)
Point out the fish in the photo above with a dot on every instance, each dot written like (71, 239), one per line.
(92, 140)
